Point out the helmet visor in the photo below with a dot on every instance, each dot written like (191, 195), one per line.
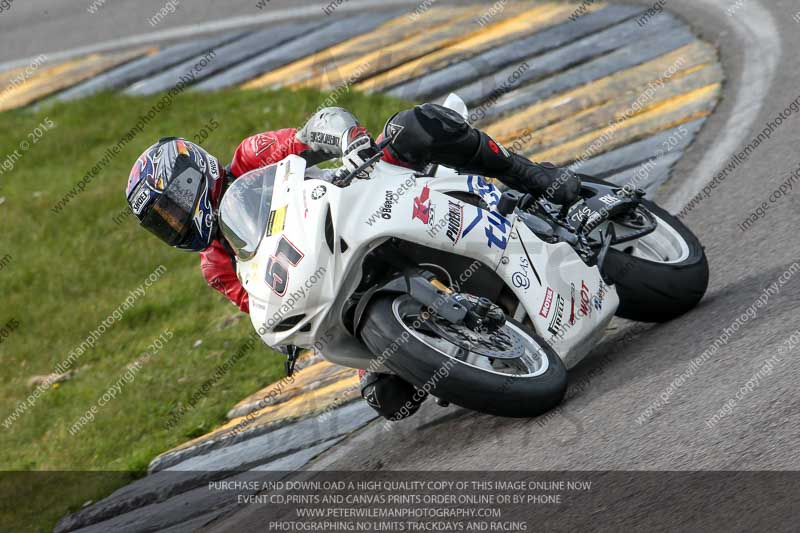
(170, 217)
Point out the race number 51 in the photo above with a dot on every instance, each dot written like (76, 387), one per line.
(286, 255)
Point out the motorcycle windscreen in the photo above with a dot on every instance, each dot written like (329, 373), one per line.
(245, 210)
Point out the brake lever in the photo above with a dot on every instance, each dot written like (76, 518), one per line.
(609, 237)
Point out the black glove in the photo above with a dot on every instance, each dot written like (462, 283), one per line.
(561, 185)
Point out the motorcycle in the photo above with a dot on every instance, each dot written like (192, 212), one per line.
(478, 296)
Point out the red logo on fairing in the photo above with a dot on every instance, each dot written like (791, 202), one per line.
(493, 146)
(572, 305)
(585, 309)
(547, 303)
(422, 206)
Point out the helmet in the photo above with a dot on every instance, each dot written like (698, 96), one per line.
(170, 191)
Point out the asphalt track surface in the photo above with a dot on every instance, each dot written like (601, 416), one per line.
(48, 26)
(596, 428)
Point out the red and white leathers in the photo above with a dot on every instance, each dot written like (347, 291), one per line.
(425, 134)
(254, 152)
(258, 151)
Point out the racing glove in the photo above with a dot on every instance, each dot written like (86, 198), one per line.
(358, 147)
(562, 185)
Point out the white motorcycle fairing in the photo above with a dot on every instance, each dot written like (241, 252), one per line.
(309, 260)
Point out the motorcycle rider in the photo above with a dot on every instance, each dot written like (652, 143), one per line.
(183, 214)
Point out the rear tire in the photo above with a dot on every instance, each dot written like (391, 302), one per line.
(650, 291)
(463, 384)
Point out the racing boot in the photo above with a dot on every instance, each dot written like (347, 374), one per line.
(558, 184)
(390, 396)
(431, 133)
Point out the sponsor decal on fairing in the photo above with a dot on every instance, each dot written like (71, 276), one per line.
(386, 207)
(558, 315)
(498, 226)
(586, 309)
(544, 312)
(318, 192)
(422, 206)
(455, 221)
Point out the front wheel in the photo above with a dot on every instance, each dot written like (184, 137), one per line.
(659, 276)
(508, 372)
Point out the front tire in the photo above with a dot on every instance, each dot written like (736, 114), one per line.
(441, 366)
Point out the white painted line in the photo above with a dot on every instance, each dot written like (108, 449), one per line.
(759, 39)
(233, 23)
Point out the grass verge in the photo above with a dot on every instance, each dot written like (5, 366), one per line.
(64, 271)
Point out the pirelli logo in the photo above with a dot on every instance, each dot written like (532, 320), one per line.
(558, 315)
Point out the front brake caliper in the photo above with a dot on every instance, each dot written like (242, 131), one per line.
(483, 315)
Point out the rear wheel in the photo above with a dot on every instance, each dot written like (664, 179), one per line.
(508, 372)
